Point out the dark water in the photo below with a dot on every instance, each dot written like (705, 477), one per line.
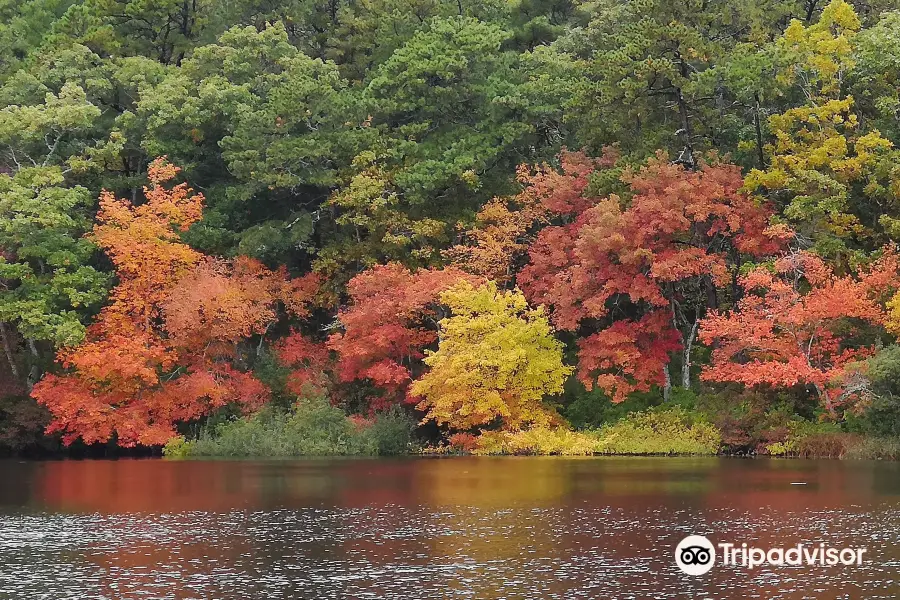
(481, 528)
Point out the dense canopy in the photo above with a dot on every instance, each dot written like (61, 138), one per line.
(488, 216)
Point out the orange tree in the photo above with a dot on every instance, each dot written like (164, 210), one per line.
(165, 348)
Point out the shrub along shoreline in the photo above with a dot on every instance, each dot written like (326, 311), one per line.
(316, 428)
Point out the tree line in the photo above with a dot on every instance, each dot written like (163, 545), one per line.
(497, 216)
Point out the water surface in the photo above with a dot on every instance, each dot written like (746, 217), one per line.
(485, 528)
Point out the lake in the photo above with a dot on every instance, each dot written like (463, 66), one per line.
(485, 528)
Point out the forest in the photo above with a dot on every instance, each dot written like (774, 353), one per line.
(288, 227)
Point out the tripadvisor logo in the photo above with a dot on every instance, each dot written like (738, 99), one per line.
(696, 555)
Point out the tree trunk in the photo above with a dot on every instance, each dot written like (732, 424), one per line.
(686, 363)
(686, 130)
(34, 374)
(8, 350)
(826, 399)
(810, 10)
(687, 154)
(712, 294)
(759, 140)
(667, 388)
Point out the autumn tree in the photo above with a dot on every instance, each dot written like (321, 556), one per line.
(392, 318)
(633, 277)
(496, 240)
(220, 304)
(797, 324)
(164, 350)
(505, 227)
(308, 361)
(115, 374)
(823, 165)
(230, 301)
(496, 360)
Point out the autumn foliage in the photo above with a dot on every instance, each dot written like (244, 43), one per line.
(392, 318)
(496, 360)
(630, 277)
(165, 350)
(505, 227)
(796, 326)
(308, 361)
(633, 274)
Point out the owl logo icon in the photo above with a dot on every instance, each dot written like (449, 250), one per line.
(695, 555)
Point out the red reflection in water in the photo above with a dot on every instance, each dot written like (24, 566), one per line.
(142, 486)
(357, 525)
(162, 486)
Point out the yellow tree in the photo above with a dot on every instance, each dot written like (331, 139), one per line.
(820, 154)
(496, 360)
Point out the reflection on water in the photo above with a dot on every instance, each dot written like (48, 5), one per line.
(486, 528)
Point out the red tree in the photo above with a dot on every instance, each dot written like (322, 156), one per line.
(634, 274)
(391, 319)
(308, 361)
(504, 226)
(794, 326)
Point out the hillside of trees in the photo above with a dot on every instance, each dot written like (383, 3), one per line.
(514, 226)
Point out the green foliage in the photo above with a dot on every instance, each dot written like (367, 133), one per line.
(390, 433)
(46, 281)
(450, 90)
(591, 409)
(162, 29)
(276, 115)
(313, 428)
(377, 222)
(177, 448)
(811, 439)
(647, 69)
(883, 371)
(371, 32)
(881, 414)
(48, 133)
(873, 79)
(274, 374)
(663, 431)
(22, 25)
